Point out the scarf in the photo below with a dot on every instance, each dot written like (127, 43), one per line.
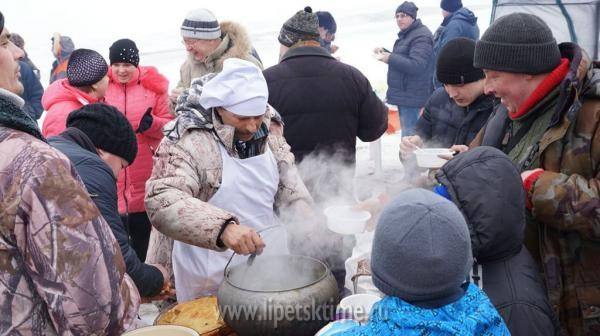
(12, 116)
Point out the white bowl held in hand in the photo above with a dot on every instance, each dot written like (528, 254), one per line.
(358, 306)
(429, 157)
(344, 219)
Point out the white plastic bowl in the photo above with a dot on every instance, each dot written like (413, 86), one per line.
(345, 219)
(162, 330)
(358, 306)
(428, 157)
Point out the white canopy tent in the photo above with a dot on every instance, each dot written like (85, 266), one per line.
(570, 20)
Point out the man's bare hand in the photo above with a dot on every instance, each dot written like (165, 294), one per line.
(408, 145)
(456, 149)
(242, 239)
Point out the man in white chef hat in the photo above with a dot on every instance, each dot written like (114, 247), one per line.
(219, 176)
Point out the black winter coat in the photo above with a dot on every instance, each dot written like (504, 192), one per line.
(101, 184)
(444, 123)
(410, 67)
(33, 91)
(325, 104)
(487, 188)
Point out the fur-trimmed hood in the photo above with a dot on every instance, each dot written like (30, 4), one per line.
(235, 44)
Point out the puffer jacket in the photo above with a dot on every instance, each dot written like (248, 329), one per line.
(148, 89)
(324, 123)
(61, 271)
(564, 221)
(486, 187)
(60, 99)
(444, 123)
(235, 44)
(462, 23)
(187, 172)
(410, 67)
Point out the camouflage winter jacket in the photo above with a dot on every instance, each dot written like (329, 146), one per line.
(187, 173)
(564, 226)
(61, 270)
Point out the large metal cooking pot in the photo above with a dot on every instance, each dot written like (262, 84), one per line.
(278, 295)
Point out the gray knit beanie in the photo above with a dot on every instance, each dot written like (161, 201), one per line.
(303, 26)
(422, 248)
(518, 43)
(201, 24)
(409, 8)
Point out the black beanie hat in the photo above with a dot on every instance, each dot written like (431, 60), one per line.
(451, 5)
(124, 51)
(107, 128)
(408, 8)
(327, 21)
(86, 67)
(303, 26)
(518, 43)
(455, 62)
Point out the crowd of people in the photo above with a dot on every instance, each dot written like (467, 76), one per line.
(131, 192)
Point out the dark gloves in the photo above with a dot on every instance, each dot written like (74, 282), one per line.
(146, 121)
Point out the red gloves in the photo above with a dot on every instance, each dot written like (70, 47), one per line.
(529, 177)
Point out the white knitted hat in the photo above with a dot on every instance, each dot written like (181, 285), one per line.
(201, 24)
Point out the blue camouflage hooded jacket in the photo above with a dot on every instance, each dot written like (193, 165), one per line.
(473, 314)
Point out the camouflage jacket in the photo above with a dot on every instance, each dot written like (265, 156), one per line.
(187, 173)
(61, 270)
(564, 226)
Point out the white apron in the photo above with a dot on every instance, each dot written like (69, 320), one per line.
(247, 190)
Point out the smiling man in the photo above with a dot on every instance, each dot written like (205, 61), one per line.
(549, 126)
(209, 43)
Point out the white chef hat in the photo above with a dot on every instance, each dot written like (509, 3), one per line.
(240, 88)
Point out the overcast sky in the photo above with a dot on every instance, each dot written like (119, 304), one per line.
(362, 25)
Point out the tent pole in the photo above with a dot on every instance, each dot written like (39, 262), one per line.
(493, 17)
(560, 5)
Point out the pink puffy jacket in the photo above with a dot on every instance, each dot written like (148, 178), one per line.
(147, 89)
(60, 99)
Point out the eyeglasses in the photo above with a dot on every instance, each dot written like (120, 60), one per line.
(189, 43)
